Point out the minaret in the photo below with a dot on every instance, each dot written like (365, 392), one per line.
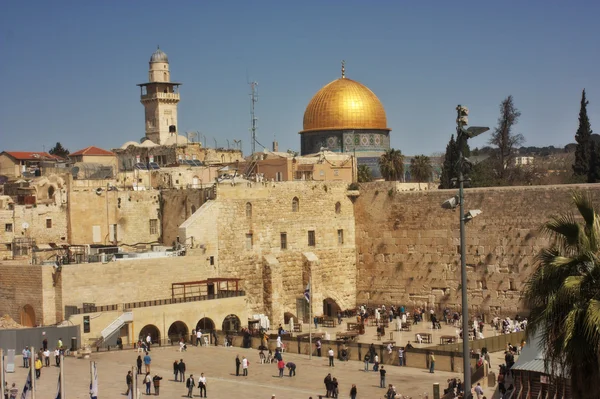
(160, 97)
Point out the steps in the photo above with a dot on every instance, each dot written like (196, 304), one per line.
(113, 327)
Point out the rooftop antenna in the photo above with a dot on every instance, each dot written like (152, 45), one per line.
(343, 69)
(253, 118)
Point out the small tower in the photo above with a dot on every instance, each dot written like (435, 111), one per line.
(160, 97)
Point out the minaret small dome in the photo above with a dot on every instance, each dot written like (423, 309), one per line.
(159, 56)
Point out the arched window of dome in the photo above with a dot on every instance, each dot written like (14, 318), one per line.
(295, 204)
(338, 207)
(248, 210)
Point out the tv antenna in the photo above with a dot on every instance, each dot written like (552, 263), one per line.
(253, 118)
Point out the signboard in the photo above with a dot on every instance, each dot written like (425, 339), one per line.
(10, 361)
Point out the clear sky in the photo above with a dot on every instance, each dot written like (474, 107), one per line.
(68, 69)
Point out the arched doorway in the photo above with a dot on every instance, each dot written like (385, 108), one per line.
(153, 331)
(231, 323)
(27, 316)
(205, 325)
(330, 308)
(177, 331)
(287, 316)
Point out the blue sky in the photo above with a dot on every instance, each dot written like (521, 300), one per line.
(69, 69)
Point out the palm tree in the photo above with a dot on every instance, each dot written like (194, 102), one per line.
(421, 168)
(364, 174)
(391, 164)
(563, 295)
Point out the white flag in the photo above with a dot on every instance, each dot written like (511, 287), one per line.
(307, 293)
(58, 394)
(94, 384)
(27, 387)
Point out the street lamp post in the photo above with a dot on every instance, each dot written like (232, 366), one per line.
(461, 139)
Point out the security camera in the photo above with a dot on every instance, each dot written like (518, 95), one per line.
(472, 214)
(451, 203)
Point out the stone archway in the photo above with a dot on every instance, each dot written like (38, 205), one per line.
(330, 307)
(205, 324)
(153, 331)
(178, 330)
(27, 316)
(231, 323)
(287, 316)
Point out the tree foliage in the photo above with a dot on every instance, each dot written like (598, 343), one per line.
(421, 169)
(506, 141)
(563, 296)
(450, 164)
(364, 174)
(59, 151)
(583, 137)
(391, 164)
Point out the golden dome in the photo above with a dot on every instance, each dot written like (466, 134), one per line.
(344, 104)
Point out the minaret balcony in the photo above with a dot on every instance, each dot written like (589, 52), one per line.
(160, 96)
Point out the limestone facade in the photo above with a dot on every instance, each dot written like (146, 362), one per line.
(408, 247)
(275, 237)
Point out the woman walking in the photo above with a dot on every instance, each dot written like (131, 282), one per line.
(148, 382)
(353, 392)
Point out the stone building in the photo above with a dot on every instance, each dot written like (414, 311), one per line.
(345, 116)
(15, 164)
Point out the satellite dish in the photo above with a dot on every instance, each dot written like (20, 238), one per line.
(192, 136)
(25, 225)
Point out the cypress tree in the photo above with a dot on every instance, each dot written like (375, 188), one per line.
(450, 165)
(583, 151)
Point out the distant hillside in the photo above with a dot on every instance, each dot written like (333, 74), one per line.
(537, 151)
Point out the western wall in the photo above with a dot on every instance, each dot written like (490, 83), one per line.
(408, 247)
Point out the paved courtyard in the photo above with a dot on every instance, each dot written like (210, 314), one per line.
(218, 365)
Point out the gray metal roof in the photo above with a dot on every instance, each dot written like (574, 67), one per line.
(532, 357)
(159, 56)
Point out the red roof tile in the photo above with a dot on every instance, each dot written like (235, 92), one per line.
(32, 156)
(91, 150)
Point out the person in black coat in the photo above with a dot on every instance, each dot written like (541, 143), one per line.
(238, 362)
(138, 363)
(181, 368)
(176, 369)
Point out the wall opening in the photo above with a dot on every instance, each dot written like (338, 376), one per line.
(153, 331)
(205, 324)
(330, 308)
(231, 323)
(27, 316)
(295, 204)
(178, 330)
(338, 207)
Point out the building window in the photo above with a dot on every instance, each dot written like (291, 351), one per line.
(249, 241)
(336, 172)
(295, 204)
(283, 237)
(311, 238)
(248, 210)
(338, 207)
(8, 227)
(212, 260)
(153, 226)
(9, 247)
(48, 223)
(340, 236)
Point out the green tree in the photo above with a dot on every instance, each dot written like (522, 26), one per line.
(450, 165)
(364, 174)
(59, 151)
(421, 169)
(391, 164)
(563, 295)
(583, 137)
(593, 175)
(504, 138)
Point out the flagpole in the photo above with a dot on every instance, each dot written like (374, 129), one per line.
(32, 371)
(62, 376)
(2, 380)
(310, 320)
(134, 383)
(91, 377)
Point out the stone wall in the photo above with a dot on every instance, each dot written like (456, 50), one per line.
(177, 206)
(19, 286)
(249, 224)
(408, 247)
(130, 211)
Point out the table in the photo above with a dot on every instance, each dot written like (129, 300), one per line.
(353, 326)
(348, 335)
(447, 339)
(425, 337)
(328, 322)
(407, 326)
